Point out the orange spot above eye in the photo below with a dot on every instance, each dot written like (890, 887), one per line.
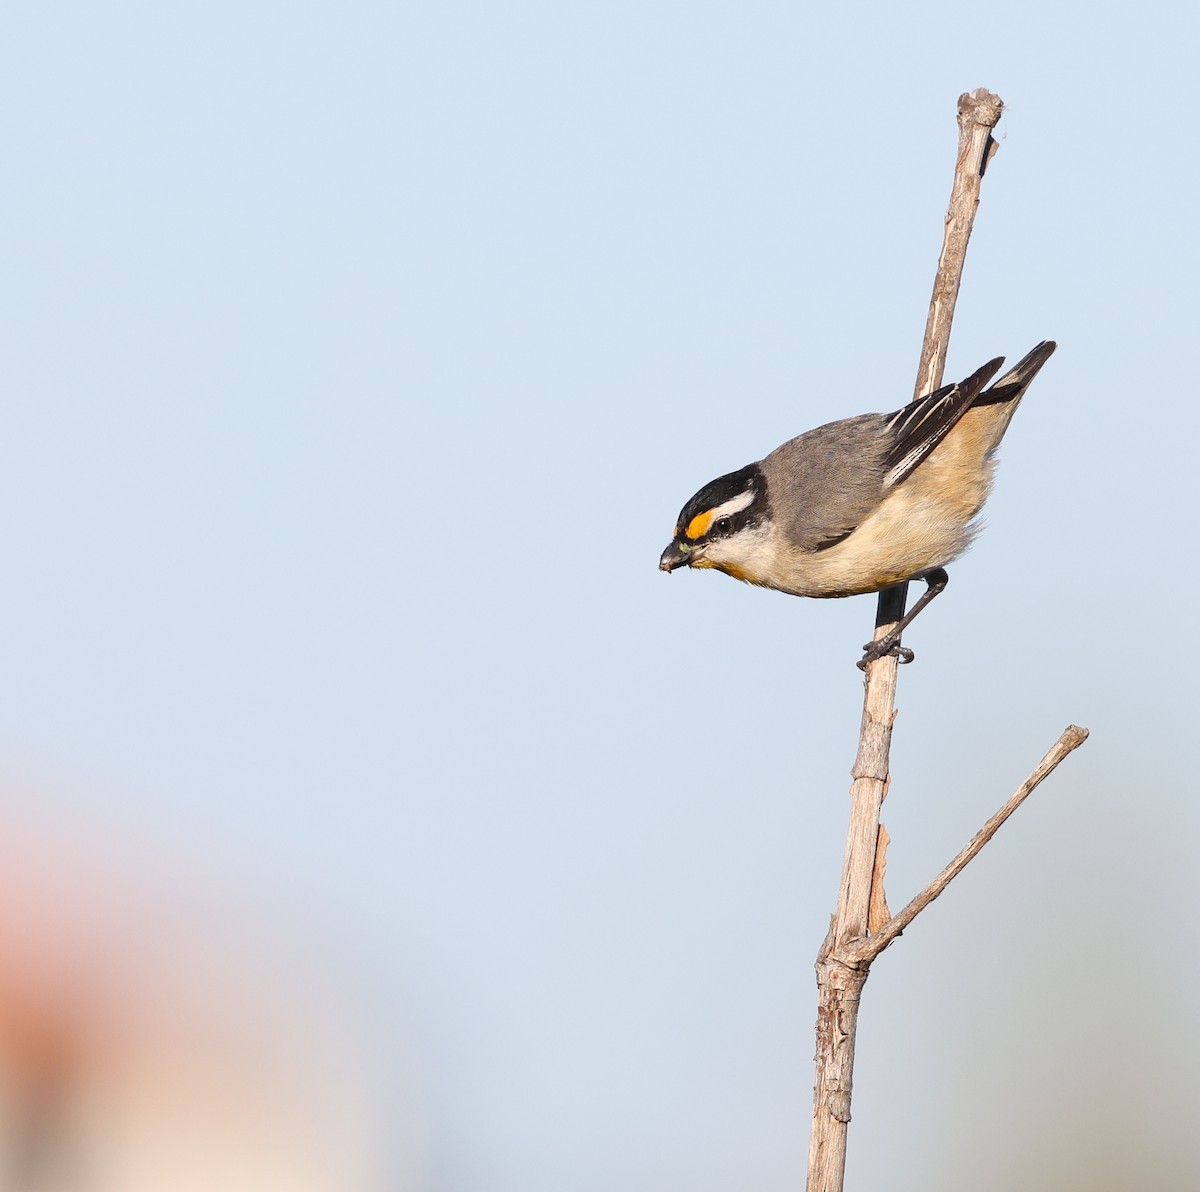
(699, 524)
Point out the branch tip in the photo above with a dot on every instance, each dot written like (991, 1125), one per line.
(980, 106)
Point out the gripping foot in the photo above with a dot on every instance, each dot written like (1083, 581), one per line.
(882, 648)
(936, 581)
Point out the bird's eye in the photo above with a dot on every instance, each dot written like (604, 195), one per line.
(723, 525)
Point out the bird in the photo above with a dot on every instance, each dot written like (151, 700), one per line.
(863, 503)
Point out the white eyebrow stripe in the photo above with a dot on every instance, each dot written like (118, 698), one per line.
(734, 505)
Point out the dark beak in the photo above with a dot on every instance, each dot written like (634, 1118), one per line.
(672, 558)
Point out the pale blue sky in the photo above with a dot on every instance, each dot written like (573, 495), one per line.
(358, 359)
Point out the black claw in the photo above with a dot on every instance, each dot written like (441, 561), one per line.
(881, 649)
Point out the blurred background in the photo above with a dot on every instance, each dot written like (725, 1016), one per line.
(373, 814)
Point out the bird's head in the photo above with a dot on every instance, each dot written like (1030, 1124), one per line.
(720, 526)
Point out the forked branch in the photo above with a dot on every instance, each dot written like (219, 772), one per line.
(867, 949)
(861, 927)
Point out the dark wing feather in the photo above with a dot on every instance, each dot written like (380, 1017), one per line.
(922, 424)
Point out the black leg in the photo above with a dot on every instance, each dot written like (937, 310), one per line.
(936, 580)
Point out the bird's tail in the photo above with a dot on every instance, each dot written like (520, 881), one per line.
(979, 431)
(1005, 395)
(1011, 387)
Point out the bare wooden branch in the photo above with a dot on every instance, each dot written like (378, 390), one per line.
(867, 949)
(870, 775)
(978, 113)
(861, 928)
(840, 976)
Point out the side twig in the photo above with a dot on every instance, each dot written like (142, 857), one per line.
(867, 949)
